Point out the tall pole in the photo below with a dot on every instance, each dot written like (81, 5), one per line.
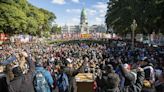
(133, 39)
(133, 28)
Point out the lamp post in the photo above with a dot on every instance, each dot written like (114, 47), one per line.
(133, 28)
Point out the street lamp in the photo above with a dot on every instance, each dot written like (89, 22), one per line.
(133, 28)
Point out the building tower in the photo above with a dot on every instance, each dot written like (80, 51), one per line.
(84, 22)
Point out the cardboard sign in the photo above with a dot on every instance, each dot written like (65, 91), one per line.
(69, 60)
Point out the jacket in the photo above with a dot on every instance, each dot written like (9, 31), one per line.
(3, 83)
(110, 83)
(159, 87)
(132, 86)
(71, 78)
(24, 83)
(47, 75)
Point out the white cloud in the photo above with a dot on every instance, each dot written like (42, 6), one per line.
(74, 21)
(102, 14)
(75, 1)
(60, 2)
(99, 20)
(73, 11)
(100, 6)
(91, 12)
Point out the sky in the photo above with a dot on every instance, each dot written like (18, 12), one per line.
(68, 11)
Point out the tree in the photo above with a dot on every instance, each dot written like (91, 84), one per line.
(13, 20)
(19, 16)
(56, 29)
(147, 13)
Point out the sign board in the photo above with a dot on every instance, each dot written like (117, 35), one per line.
(86, 35)
(1, 48)
(69, 60)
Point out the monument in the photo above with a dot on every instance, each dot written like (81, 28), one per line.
(84, 22)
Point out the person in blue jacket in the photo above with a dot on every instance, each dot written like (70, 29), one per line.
(39, 68)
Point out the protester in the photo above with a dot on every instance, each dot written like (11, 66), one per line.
(62, 81)
(110, 80)
(115, 68)
(23, 82)
(159, 85)
(4, 87)
(43, 81)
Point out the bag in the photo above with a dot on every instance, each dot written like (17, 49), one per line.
(40, 83)
(63, 82)
(147, 84)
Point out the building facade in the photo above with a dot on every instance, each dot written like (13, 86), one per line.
(97, 29)
(84, 22)
(70, 29)
(83, 27)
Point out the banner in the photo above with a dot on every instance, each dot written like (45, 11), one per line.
(86, 35)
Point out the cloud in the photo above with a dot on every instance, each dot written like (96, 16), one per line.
(74, 21)
(101, 7)
(75, 1)
(102, 13)
(99, 20)
(91, 12)
(60, 2)
(73, 11)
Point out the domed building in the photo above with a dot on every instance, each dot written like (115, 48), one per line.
(84, 22)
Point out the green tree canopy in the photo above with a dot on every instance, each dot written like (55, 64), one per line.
(148, 14)
(19, 16)
(56, 29)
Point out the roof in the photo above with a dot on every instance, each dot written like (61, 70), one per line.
(83, 13)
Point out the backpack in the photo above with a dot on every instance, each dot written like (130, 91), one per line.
(40, 82)
(63, 82)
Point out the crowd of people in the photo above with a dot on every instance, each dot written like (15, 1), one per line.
(52, 68)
